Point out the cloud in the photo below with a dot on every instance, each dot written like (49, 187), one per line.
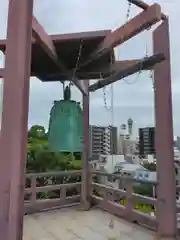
(133, 97)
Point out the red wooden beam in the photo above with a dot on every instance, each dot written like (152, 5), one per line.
(46, 43)
(13, 141)
(124, 64)
(145, 6)
(116, 66)
(86, 176)
(136, 25)
(43, 38)
(166, 189)
(122, 73)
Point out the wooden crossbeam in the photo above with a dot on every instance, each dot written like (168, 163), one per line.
(1, 72)
(144, 6)
(85, 75)
(116, 66)
(43, 39)
(130, 29)
(122, 73)
(123, 64)
(46, 43)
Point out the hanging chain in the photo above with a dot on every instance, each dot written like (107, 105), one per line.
(110, 109)
(146, 51)
(151, 76)
(151, 72)
(128, 11)
(104, 88)
(104, 91)
(146, 54)
(105, 100)
(77, 62)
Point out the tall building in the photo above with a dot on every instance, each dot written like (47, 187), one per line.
(146, 141)
(127, 144)
(113, 140)
(130, 126)
(102, 140)
(177, 143)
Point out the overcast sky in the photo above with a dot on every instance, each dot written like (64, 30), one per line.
(133, 97)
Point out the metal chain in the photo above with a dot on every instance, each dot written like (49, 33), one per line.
(138, 74)
(105, 100)
(146, 52)
(77, 62)
(151, 76)
(151, 72)
(104, 92)
(110, 109)
(104, 88)
(128, 11)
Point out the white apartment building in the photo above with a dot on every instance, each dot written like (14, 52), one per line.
(127, 146)
(102, 140)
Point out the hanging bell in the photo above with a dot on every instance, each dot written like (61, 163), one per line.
(66, 125)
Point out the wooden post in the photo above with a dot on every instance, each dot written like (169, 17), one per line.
(15, 118)
(166, 177)
(85, 189)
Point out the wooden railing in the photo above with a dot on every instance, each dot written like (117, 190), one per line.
(62, 189)
(109, 198)
(52, 189)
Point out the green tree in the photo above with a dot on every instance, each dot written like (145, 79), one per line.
(37, 132)
(143, 189)
(150, 166)
(41, 159)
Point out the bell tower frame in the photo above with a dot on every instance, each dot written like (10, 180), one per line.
(13, 142)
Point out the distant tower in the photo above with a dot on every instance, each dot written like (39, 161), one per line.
(130, 126)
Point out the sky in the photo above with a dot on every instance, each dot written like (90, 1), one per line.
(129, 98)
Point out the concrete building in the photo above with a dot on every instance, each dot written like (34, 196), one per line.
(176, 154)
(177, 143)
(113, 139)
(146, 141)
(102, 140)
(127, 146)
(145, 175)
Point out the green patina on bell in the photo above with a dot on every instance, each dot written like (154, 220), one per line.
(66, 125)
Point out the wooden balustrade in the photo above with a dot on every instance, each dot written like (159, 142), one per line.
(108, 198)
(35, 203)
(103, 196)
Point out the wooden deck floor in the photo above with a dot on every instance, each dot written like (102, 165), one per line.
(70, 224)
